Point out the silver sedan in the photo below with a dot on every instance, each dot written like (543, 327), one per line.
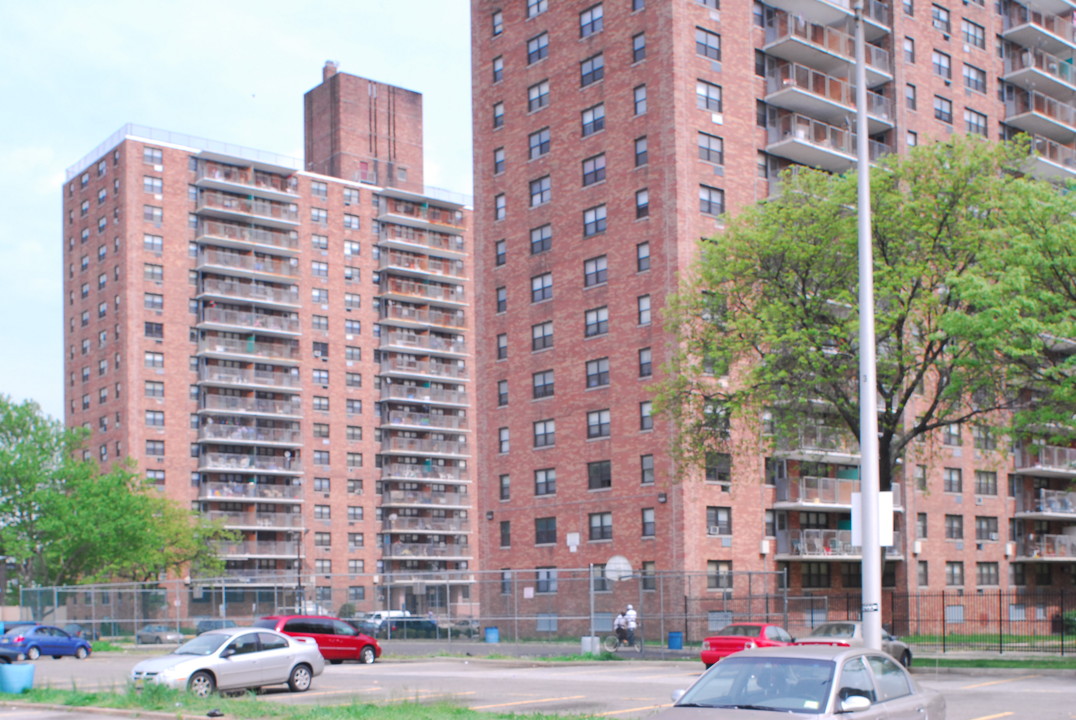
(806, 682)
(234, 659)
(849, 633)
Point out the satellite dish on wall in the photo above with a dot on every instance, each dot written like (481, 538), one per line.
(617, 568)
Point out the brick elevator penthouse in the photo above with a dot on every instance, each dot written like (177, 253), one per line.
(284, 349)
(610, 137)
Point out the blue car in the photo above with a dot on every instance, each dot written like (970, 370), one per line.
(33, 641)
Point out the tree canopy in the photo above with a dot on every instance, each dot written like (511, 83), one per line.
(64, 520)
(975, 305)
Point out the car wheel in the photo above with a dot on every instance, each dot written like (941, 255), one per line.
(335, 662)
(158, 640)
(33, 653)
(300, 678)
(201, 684)
(81, 653)
(367, 655)
(906, 659)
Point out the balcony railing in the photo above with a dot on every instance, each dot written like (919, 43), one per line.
(259, 547)
(430, 214)
(216, 230)
(820, 439)
(209, 257)
(423, 524)
(1050, 458)
(260, 520)
(235, 376)
(415, 497)
(249, 434)
(832, 89)
(251, 291)
(1044, 62)
(235, 461)
(423, 341)
(253, 320)
(420, 263)
(425, 238)
(811, 490)
(275, 351)
(1048, 546)
(403, 364)
(208, 200)
(423, 394)
(407, 313)
(246, 176)
(430, 473)
(248, 491)
(396, 444)
(259, 406)
(821, 135)
(1019, 16)
(1054, 502)
(431, 420)
(408, 550)
(783, 26)
(827, 544)
(447, 293)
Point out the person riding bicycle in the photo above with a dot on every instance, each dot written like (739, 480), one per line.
(620, 627)
(631, 621)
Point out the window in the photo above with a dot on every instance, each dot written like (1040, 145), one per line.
(153, 244)
(353, 406)
(500, 252)
(152, 184)
(352, 327)
(351, 300)
(594, 220)
(154, 360)
(542, 287)
(711, 149)
(319, 322)
(986, 573)
(506, 533)
(153, 214)
(986, 528)
(707, 44)
(351, 222)
(538, 96)
(502, 346)
(642, 204)
(711, 200)
(319, 242)
(545, 531)
(155, 448)
(541, 191)
(542, 383)
(596, 322)
(536, 7)
(498, 161)
(154, 389)
(708, 96)
(594, 170)
(154, 330)
(591, 70)
(599, 475)
(152, 156)
(351, 196)
(319, 269)
(939, 18)
(497, 20)
(921, 526)
(597, 424)
(542, 336)
(942, 65)
(974, 34)
(319, 216)
(718, 520)
(943, 109)
(638, 47)
(319, 376)
(954, 574)
(909, 50)
(590, 21)
(642, 256)
(154, 418)
(718, 468)
(505, 485)
(151, 301)
(545, 481)
(545, 434)
(986, 482)
(537, 48)
(911, 138)
(951, 435)
(952, 480)
(643, 308)
(646, 415)
(538, 143)
(646, 363)
(975, 122)
(351, 354)
(595, 271)
(593, 119)
(498, 115)
(601, 526)
(638, 98)
(498, 69)
(719, 575)
(983, 437)
(500, 207)
(954, 527)
(641, 152)
(646, 469)
(598, 372)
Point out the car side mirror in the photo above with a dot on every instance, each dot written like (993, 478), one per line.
(677, 694)
(855, 703)
(227, 652)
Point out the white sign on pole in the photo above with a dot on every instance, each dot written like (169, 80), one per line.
(885, 519)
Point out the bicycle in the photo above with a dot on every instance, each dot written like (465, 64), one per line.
(612, 643)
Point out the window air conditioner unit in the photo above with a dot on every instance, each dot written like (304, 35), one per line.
(993, 536)
(714, 530)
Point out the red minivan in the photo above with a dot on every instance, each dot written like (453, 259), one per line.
(337, 640)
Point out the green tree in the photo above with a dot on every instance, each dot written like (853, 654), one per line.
(974, 278)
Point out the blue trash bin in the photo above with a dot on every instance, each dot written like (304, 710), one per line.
(676, 640)
(493, 635)
(16, 677)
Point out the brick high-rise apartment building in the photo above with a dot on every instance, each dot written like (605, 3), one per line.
(609, 137)
(284, 349)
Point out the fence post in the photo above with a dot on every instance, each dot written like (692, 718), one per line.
(1062, 603)
(1001, 627)
(945, 618)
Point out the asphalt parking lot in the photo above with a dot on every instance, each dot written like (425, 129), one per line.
(637, 688)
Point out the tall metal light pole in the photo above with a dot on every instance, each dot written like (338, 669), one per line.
(868, 411)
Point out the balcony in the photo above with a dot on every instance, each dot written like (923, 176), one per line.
(410, 239)
(427, 525)
(249, 435)
(419, 213)
(1047, 461)
(235, 462)
(423, 446)
(254, 492)
(821, 493)
(805, 90)
(420, 266)
(246, 265)
(410, 578)
(258, 548)
(1044, 504)
(258, 521)
(832, 12)
(1039, 114)
(230, 178)
(429, 395)
(821, 444)
(248, 379)
(430, 473)
(406, 551)
(240, 236)
(231, 405)
(226, 347)
(1051, 160)
(426, 342)
(400, 498)
(807, 141)
(1047, 548)
(235, 207)
(214, 318)
(401, 289)
(403, 365)
(250, 292)
(1052, 7)
(827, 545)
(828, 49)
(407, 315)
(1038, 70)
(1037, 29)
(426, 421)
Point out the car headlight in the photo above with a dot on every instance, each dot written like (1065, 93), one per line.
(749, 644)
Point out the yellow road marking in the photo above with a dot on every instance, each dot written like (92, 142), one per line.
(993, 717)
(527, 702)
(998, 682)
(637, 709)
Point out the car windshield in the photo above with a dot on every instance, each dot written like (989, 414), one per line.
(835, 630)
(767, 683)
(203, 644)
(740, 630)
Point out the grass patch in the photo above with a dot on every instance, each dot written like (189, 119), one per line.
(106, 646)
(249, 707)
(1001, 662)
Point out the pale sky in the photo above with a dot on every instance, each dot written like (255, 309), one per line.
(73, 72)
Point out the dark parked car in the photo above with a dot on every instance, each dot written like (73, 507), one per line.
(337, 639)
(407, 627)
(37, 640)
(213, 624)
(9, 656)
